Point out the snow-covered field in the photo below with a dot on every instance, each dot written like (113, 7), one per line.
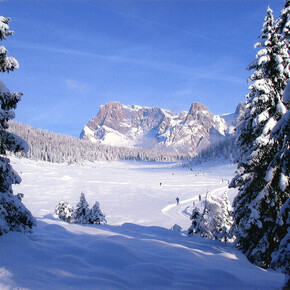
(136, 249)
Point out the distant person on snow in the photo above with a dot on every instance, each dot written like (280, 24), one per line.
(177, 201)
(199, 197)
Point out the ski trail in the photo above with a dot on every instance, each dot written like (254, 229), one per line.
(180, 214)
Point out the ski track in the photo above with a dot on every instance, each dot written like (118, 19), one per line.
(174, 211)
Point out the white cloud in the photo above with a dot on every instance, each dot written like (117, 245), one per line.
(77, 86)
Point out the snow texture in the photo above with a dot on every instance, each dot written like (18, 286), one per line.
(136, 249)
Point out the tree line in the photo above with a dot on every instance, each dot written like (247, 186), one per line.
(59, 148)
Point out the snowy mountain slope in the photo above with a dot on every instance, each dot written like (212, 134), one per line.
(232, 120)
(135, 249)
(148, 127)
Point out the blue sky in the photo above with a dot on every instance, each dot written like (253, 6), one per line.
(76, 55)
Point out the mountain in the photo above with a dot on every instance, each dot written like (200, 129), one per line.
(232, 120)
(151, 127)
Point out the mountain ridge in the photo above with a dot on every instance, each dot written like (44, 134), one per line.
(152, 127)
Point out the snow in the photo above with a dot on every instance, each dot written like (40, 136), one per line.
(137, 248)
(221, 124)
(270, 174)
(281, 108)
(263, 117)
(269, 125)
(282, 122)
(89, 133)
(263, 59)
(115, 138)
(260, 85)
(284, 181)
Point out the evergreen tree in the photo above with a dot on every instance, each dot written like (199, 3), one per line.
(64, 211)
(82, 212)
(195, 225)
(223, 232)
(97, 215)
(259, 225)
(279, 178)
(14, 216)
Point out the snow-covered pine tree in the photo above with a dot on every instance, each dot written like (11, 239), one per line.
(97, 215)
(64, 211)
(283, 25)
(208, 223)
(195, 225)
(223, 232)
(82, 212)
(259, 226)
(14, 216)
(279, 178)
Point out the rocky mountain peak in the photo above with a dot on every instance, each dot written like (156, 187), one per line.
(197, 108)
(151, 127)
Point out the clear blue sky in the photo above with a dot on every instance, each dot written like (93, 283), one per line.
(76, 55)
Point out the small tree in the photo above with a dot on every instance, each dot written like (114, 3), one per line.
(64, 211)
(97, 215)
(82, 212)
(223, 232)
(195, 225)
(14, 216)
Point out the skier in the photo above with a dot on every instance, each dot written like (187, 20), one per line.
(199, 197)
(177, 200)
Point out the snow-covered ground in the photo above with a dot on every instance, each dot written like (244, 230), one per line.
(136, 249)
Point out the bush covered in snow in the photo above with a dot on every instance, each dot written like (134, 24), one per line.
(64, 211)
(176, 228)
(82, 213)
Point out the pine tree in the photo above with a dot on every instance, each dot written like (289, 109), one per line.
(279, 178)
(64, 211)
(14, 216)
(258, 223)
(223, 233)
(82, 212)
(195, 226)
(97, 215)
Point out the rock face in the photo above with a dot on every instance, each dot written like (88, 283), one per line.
(147, 127)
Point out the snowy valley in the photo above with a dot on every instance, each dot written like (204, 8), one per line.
(136, 248)
(145, 198)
